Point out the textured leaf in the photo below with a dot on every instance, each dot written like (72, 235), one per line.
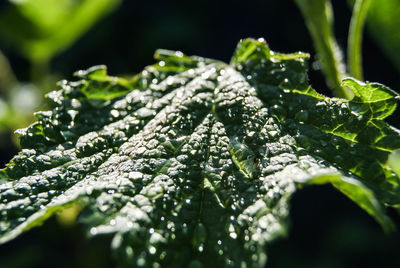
(193, 161)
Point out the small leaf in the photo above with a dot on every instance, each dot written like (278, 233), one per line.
(373, 98)
(102, 86)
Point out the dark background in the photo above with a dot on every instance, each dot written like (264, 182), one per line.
(327, 229)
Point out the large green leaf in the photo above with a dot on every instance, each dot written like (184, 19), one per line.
(42, 28)
(193, 161)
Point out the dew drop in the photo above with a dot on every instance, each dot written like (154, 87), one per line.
(114, 113)
(233, 235)
(200, 248)
(93, 231)
(152, 250)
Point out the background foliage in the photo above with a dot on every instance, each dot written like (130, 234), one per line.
(327, 229)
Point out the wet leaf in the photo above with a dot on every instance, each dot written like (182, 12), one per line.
(193, 161)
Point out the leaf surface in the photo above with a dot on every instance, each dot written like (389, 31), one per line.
(193, 161)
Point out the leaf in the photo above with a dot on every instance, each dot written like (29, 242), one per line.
(196, 163)
(383, 22)
(39, 29)
(358, 192)
(374, 98)
(98, 85)
(394, 161)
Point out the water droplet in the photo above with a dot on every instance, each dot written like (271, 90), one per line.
(304, 164)
(114, 113)
(93, 231)
(200, 248)
(273, 133)
(144, 113)
(141, 262)
(243, 158)
(129, 251)
(152, 250)
(179, 54)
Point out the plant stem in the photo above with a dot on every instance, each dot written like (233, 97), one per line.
(318, 16)
(354, 46)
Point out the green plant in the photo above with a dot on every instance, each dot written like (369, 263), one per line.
(193, 161)
(39, 30)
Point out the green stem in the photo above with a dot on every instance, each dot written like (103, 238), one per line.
(354, 46)
(318, 16)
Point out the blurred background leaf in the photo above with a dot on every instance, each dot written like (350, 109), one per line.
(383, 23)
(40, 29)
